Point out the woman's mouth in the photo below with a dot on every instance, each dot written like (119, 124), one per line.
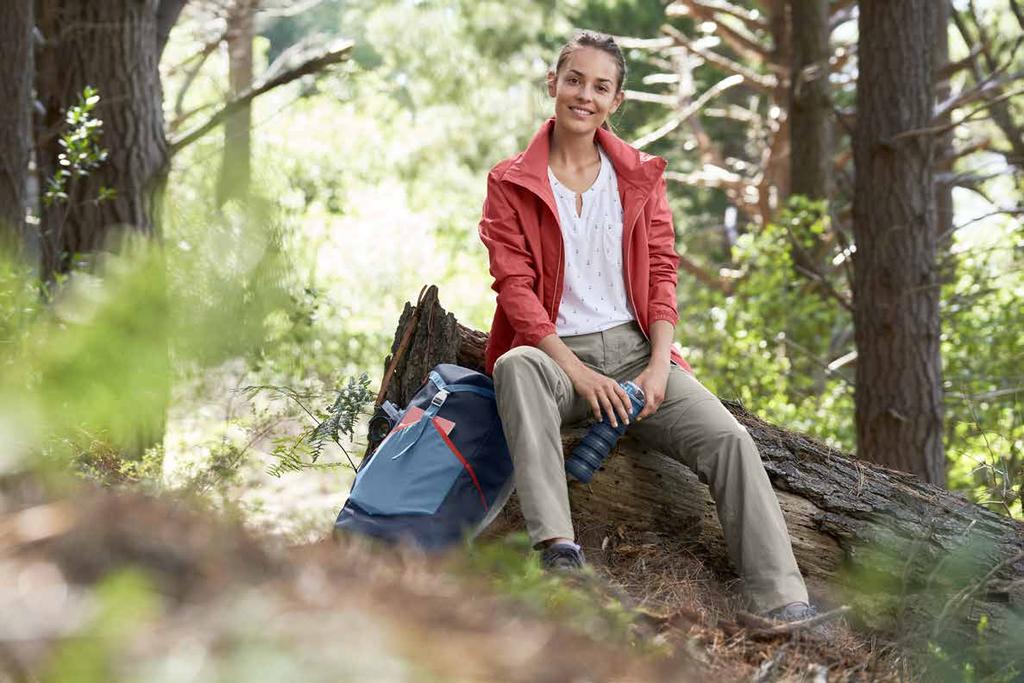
(581, 112)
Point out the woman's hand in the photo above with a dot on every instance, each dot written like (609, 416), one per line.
(653, 381)
(602, 393)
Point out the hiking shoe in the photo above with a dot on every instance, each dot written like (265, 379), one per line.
(794, 611)
(562, 557)
(800, 611)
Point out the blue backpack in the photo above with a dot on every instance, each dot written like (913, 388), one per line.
(442, 473)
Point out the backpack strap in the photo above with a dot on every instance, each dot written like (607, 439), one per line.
(455, 388)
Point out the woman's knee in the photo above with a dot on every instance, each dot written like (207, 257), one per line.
(733, 444)
(515, 359)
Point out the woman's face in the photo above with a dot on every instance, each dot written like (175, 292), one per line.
(585, 89)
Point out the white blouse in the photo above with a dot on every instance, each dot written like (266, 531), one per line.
(594, 295)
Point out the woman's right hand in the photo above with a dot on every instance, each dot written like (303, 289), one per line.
(602, 393)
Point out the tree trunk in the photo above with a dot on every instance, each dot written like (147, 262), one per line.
(944, 146)
(896, 287)
(16, 58)
(235, 170)
(112, 45)
(810, 104)
(880, 539)
(781, 59)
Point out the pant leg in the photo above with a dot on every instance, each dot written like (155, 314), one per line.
(692, 426)
(535, 397)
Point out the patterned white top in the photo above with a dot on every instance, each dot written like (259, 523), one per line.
(594, 295)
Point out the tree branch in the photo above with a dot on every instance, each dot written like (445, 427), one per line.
(685, 114)
(764, 83)
(630, 43)
(974, 146)
(167, 13)
(952, 68)
(1017, 12)
(337, 52)
(640, 96)
(719, 283)
(743, 43)
(981, 89)
(940, 129)
(750, 19)
(190, 76)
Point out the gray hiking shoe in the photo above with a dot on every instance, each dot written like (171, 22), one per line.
(801, 611)
(562, 557)
(794, 611)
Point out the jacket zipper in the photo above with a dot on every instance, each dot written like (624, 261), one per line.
(629, 285)
(558, 273)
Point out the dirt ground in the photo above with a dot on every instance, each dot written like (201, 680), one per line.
(105, 585)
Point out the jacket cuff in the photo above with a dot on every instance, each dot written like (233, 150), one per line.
(662, 312)
(535, 334)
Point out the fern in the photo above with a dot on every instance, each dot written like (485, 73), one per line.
(294, 454)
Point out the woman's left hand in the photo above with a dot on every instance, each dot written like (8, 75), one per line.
(653, 381)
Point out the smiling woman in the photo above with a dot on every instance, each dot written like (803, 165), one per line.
(582, 250)
(587, 79)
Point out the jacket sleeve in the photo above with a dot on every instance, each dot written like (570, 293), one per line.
(512, 266)
(661, 300)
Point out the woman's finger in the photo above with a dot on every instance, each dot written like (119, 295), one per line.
(595, 407)
(623, 404)
(608, 410)
(653, 404)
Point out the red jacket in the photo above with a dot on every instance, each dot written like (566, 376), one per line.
(520, 230)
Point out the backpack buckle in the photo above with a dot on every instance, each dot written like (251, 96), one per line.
(439, 398)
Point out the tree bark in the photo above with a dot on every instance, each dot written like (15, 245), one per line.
(235, 170)
(112, 45)
(877, 538)
(16, 68)
(810, 104)
(781, 26)
(944, 146)
(896, 286)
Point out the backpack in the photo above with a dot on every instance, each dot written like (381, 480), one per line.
(443, 472)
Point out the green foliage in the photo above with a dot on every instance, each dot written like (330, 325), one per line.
(97, 461)
(583, 604)
(340, 418)
(125, 601)
(82, 152)
(983, 353)
(97, 360)
(922, 597)
(771, 341)
(98, 364)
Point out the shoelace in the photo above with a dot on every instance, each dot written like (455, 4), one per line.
(798, 613)
(563, 552)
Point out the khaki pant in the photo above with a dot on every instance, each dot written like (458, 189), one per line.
(535, 397)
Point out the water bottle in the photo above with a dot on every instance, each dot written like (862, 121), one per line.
(590, 453)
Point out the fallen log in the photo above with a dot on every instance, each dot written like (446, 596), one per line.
(907, 555)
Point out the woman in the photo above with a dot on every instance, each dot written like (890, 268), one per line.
(582, 250)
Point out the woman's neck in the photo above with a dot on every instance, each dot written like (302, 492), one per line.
(567, 150)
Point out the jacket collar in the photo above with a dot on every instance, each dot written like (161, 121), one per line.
(633, 168)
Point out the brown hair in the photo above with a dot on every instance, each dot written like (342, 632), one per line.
(600, 41)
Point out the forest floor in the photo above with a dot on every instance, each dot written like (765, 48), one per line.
(101, 584)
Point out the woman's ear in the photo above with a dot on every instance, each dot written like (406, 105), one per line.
(551, 79)
(616, 101)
